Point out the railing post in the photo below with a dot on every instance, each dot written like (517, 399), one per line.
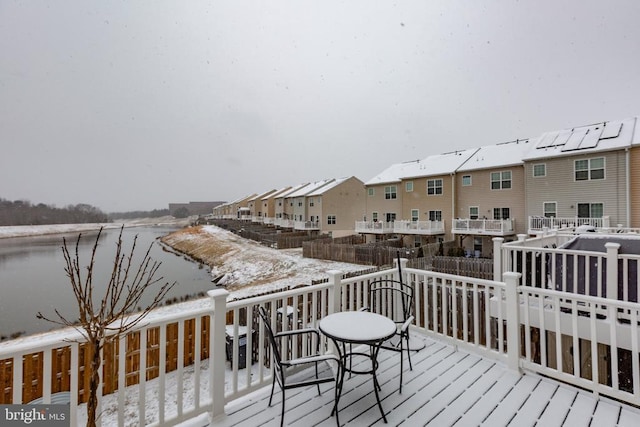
(497, 258)
(217, 322)
(335, 294)
(612, 269)
(513, 320)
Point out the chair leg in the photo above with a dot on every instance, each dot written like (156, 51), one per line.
(317, 385)
(401, 364)
(282, 413)
(409, 352)
(273, 386)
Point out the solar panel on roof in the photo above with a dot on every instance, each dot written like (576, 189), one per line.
(563, 137)
(573, 143)
(592, 137)
(547, 140)
(611, 130)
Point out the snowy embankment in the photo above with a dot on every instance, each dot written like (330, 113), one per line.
(245, 267)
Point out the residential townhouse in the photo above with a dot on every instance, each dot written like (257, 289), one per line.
(383, 201)
(430, 196)
(269, 205)
(586, 175)
(297, 202)
(334, 207)
(490, 197)
(283, 212)
(255, 206)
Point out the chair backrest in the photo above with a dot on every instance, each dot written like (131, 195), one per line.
(275, 350)
(391, 298)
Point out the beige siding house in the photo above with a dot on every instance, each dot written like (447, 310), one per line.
(581, 176)
(634, 186)
(284, 207)
(298, 202)
(255, 206)
(336, 206)
(490, 197)
(269, 205)
(431, 203)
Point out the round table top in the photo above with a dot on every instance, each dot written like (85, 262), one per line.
(357, 326)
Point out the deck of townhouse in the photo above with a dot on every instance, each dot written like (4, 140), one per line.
(497, 353)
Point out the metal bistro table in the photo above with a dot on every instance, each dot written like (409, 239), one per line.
(360, 328)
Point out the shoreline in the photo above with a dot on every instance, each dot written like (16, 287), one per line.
(14, 231)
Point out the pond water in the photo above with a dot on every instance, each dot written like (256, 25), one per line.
(32, 276)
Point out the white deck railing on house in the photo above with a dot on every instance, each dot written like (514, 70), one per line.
(418, 227)
(306, 225)
(537, 224)
(494, 227)
(374, 227)
(508, 321)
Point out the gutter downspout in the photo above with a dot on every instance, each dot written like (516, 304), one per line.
(627, 155)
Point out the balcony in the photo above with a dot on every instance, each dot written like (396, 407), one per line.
(538, 224)
(306, 225)
(471, 372)
(374, 227)
(425, 228)
(486, 227)
(283, 223)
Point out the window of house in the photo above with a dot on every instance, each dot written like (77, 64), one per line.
(466, 180)
(391, 217)
(390, 192)
(500, 180)
(311, 202)
(540, 170)
(549, 209)
(280, 203)
(408, 186)
(374, 216)
(435, 215)
(371, 191)
(586, 169)
(331, 219)
(434, 187)
(474, 212)
(415, 214)
(501, 213)
(590, 210)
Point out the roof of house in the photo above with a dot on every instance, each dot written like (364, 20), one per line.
(497, 155)
(329, 186)
(260, 196)
(276, 193)
(599, 137)
(441, 164)
(310, 188)
(291, 190)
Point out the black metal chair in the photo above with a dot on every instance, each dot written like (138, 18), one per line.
(394, 299)
(281, 365)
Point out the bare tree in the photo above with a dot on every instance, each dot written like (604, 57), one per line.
(113, 315)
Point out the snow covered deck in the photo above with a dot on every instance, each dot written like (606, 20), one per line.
(446, 387)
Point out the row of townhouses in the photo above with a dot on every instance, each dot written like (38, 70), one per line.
(587, 175)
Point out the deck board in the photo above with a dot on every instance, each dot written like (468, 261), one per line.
(445, 388)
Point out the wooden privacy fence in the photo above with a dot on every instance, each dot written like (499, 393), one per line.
(33, 364)
(479, 268)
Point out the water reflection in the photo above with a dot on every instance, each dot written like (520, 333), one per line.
(32, 276)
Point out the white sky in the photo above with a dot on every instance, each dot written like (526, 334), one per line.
(134, 104)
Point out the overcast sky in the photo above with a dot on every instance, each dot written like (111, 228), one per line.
(130, 105)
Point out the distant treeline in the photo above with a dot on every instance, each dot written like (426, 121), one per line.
(22, 212)
(156, 213)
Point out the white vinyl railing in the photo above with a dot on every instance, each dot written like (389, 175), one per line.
(376, 227)
(418, 227)
(483, 226)
(523, 326)
(540, 223)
